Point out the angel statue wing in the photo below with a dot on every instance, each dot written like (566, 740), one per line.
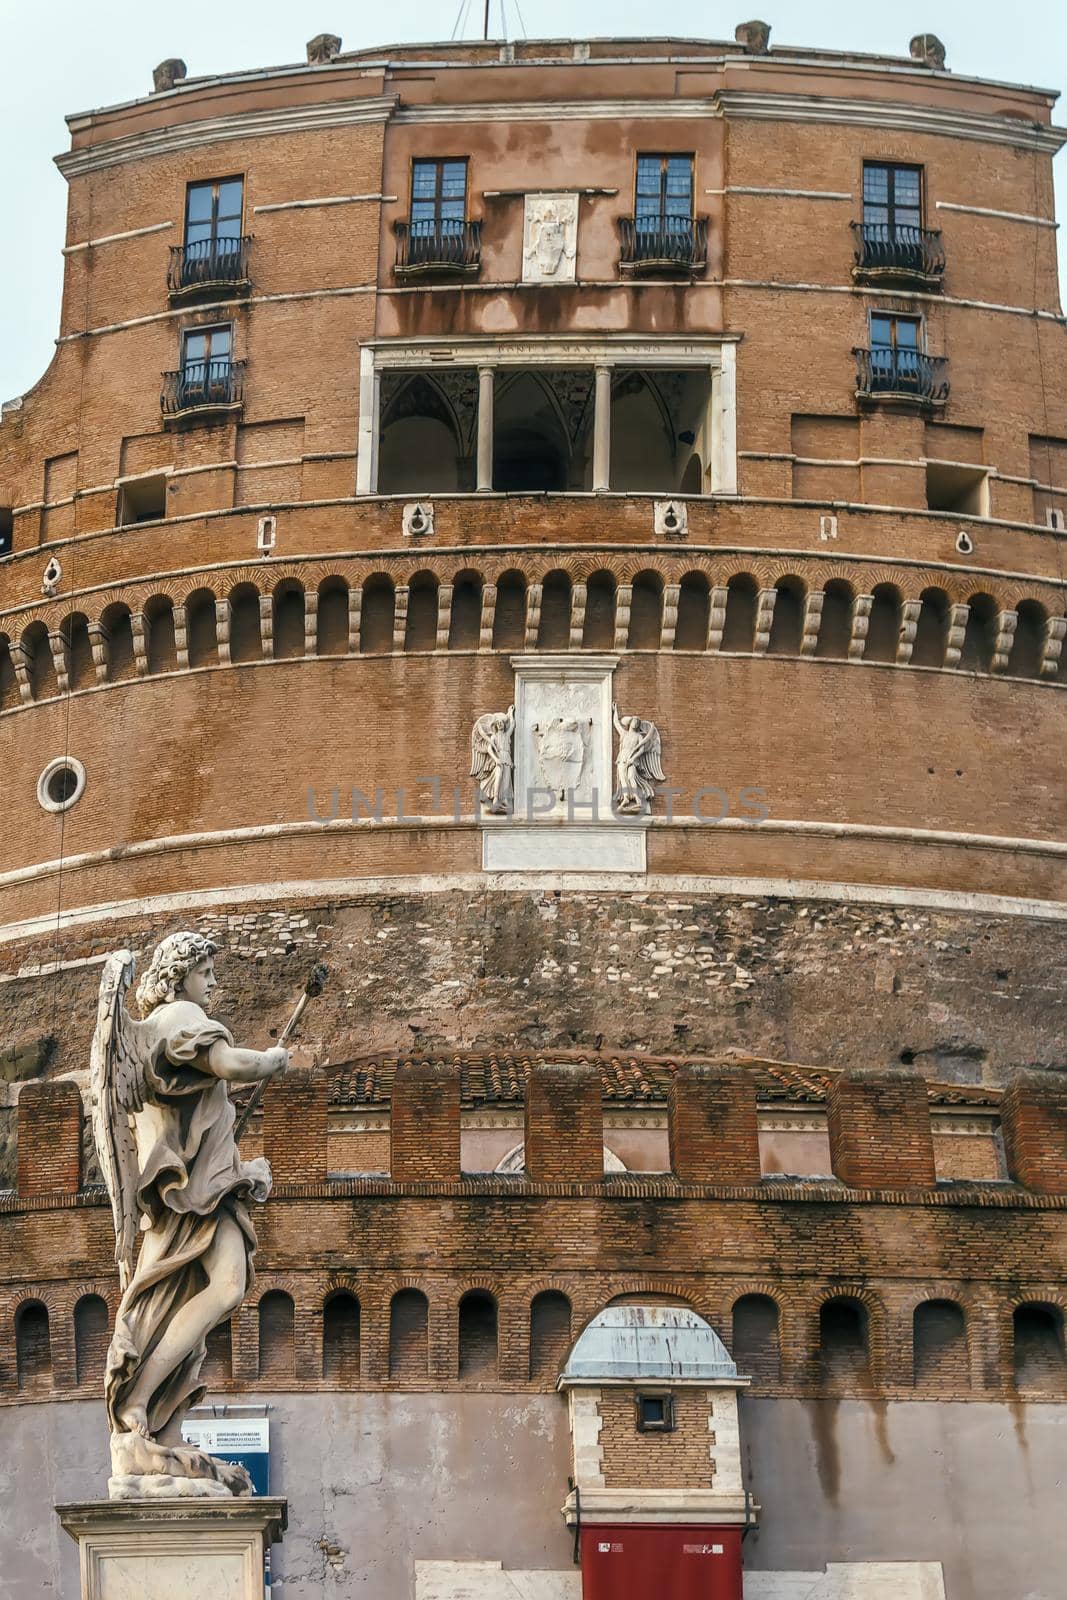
(650, 762)
(483, 762)
(116, 1079)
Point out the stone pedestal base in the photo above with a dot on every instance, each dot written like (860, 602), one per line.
(172, 1549)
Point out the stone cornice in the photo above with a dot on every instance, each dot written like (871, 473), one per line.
(824, 1192)
(904, 117)
(212, 130)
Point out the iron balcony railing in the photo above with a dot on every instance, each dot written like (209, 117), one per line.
(435, 246)
(882, 251)
(904, 374)
(207, 264)
(663, 244)
(203, 386)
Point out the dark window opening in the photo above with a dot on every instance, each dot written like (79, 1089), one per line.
(950, 487)
(7, 530)
(892, 198)
(143, 500)
(655, 1413)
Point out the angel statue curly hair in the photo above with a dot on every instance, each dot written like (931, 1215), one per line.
(171, 963)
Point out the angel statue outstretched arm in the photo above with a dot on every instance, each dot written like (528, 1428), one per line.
(639, 763)
(164, 1129)
(492, 761)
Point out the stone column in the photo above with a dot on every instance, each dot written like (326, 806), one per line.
(485, 429)
(602, 430)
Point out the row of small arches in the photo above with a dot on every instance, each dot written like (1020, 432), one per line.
(464, 613)
(941, 1355)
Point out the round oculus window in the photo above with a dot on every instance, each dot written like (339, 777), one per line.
(61, 784)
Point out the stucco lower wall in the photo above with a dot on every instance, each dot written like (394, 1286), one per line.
(378, 1482)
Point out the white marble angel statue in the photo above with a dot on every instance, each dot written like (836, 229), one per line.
(493, 761)
(638, 765)
(164, 1129)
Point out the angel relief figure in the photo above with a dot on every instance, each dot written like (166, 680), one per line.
(164, 1129)
(638, 765)
(493, 761)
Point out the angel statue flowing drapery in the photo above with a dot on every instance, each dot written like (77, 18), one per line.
(493, 761)
(164, 1129)
(638, 765)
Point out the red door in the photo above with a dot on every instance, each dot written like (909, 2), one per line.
(661, 1563)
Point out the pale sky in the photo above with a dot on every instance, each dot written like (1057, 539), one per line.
(73, 55)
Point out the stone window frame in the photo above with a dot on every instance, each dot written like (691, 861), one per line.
(663, 1397)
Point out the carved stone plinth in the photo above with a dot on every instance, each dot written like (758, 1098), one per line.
(171, 1549)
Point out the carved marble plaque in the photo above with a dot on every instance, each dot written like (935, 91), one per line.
(563, 738)
(550, 238)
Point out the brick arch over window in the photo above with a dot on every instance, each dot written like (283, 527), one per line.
(883, 627)
(550, 1334)
(844, 1343)
(599, 626)
(92, 1334)
(40, 665)
(1028, 645)
(465, 618)
(81, 671)
(379, 611)
(331, 618)
(1038, 1347)
(288, 620)
(421, 633)
(246, 632)
(276, 1336)
(756, 1338)
(341, 1339)
(409, 1320)
(939, 1345)
(979, 634)
(509, 618)
(739, 629)
(477, 1336)
(201, 627)
(9, 685)
(554, 630)
(694, 599)
(787, 622)
(835, 624)
(33, 1347)
(646, 611)
(931, 633)
(161, 641)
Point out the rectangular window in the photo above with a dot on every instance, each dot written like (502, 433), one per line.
(143, 500)
(663, 197)
(655, 1413)
(213, 211)
(206, 364)
(438, 196)
(890, 332)
(7, 530)
(897, 356)
(892, 200)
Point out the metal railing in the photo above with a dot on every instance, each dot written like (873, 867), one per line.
(435, 246)
(208, 262)
(885, 251)
(663, 244)
(907, 374)
(202, 386)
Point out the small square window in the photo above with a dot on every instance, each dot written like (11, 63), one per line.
(143, 500)
(655, 1413)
